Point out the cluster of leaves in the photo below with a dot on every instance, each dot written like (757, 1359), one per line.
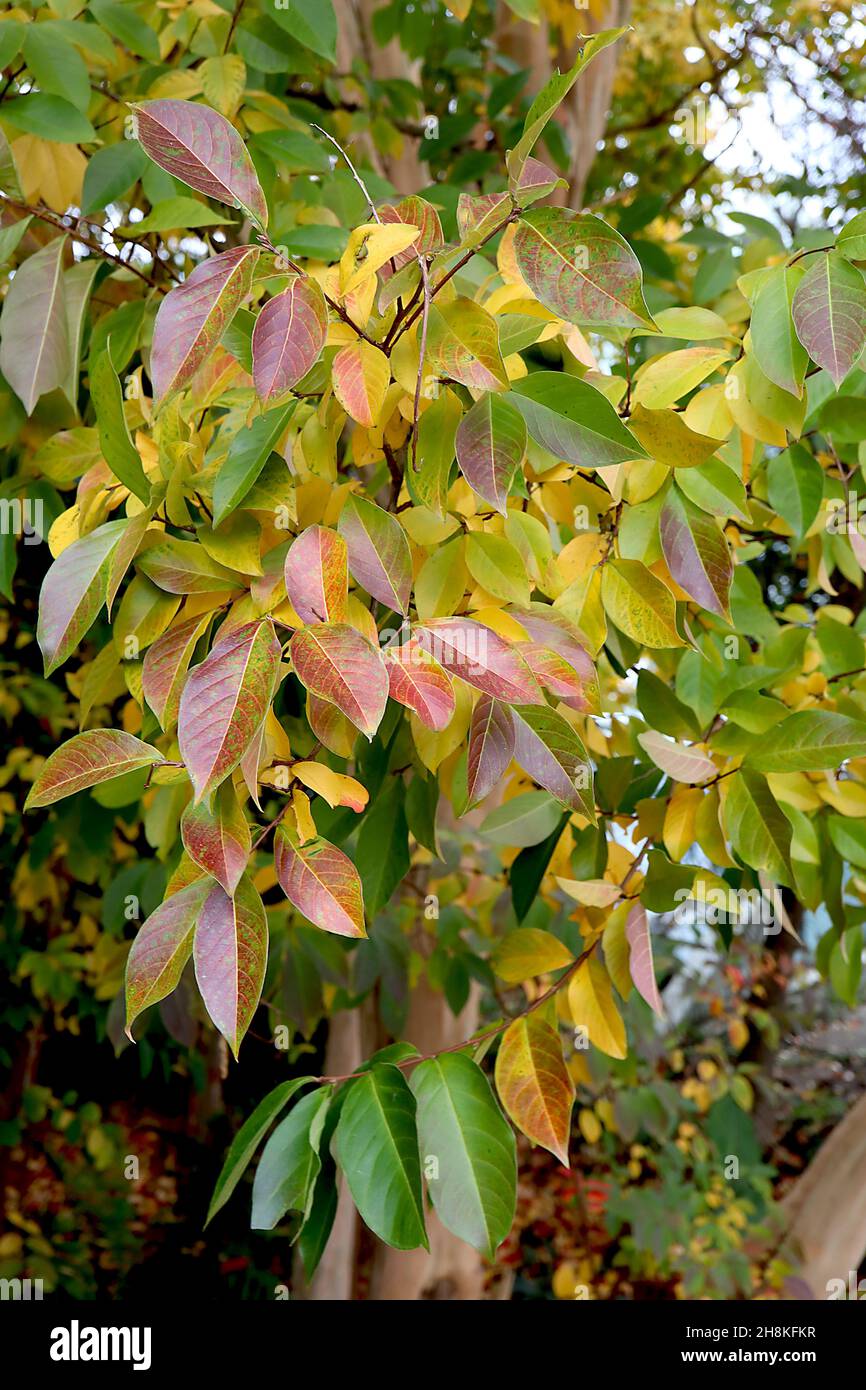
(396, 491)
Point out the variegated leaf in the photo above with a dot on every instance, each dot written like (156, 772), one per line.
(230, 951)
(193, 317)
(288, 337)
(317, 575)
(224, 702)
(334, 662)
(87, 759)
(379, 555)
(321, 882)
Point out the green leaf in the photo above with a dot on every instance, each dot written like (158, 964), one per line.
(527, 872)
(548, 749)
(437, 430)
(849, 839)
(49, 117)
(311, 23)
(810, 741)
(171, 214)
(117, 447)
(382, 855)
(795, 483)
(522, 820)
(550, 98)
(778, 350)
(495, 564)
(468, 1151)
(573, 421)
(287, 1171)
(111, 172)
(756, 826)
(125, 24)
(247, 1140)
(248, 453)
(57, 66)
(851, 241)
(376, 1146)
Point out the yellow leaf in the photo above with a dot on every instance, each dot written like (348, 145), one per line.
(306, 826)
(590, 892)
(335, 787)
(528, 952)
(590, 1126)
(223, 80)
(370, 246)
(679, 830)
(49, 171)
(592, 1007)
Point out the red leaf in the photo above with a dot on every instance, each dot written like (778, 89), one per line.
(641, 957)
(202, 149)
(230, 951)
(361, 377)
(491, 747)
(479, 656)
(336, 663)
(288, 337)
(322, 883)
(165, 666)
(547, 747)
(696, 552)
(193, 317)
(224, 702)
(491, 442)
(73, 592)
(413, 212)
(379, 555)
(556, 674)
(317, 576)
(552, 629)
(418, 682)
(218, 840)
(161, 950)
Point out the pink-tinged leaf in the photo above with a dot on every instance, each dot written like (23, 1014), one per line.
(288, 337)
(491, 747)
(549, 750)
(536, 181)
(74, 591)
(379, 556)
(550, 628)
(161, 949)
(361, 375)
(479, 215)
(35, 355)
(413, 212)
(581, 269)
(479, 656)
(230, 951)
(94, 756)
(317, 576)
(640, 961)
(463, 345)
(696, 552)
(331, 727)
(680, 761)
(321, 882)
(184, 567)
(224, 702)
(166, 663)
(418, 682)
(251, 763)
(556, 675)
(218, 840)
(334, 662)
(491, 442)
(193, 317)
(202, 149)
(829, 312)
